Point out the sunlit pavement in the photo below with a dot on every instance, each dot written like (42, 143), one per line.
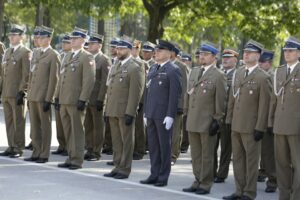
(31, 181)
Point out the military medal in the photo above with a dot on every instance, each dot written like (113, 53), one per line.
(204, 91)
(250, 92)
(73, 69)
(191, 91)
(159, 83)
(121, 79)
(298, 89)
(201, 84)
(14, 62)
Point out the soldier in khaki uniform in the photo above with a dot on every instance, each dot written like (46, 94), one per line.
(62, 144)
(139, 137)
(42, 84)
(35, 55)
(205, 111)
(247, 113)
(177, 132)
(15, 70)
(267, 162)
(107, 147)
(77, 79)
(148, 54)
(125, 88)
(229, 62)
(186, 59)
(286, 122)
(94, 124)
(140, 131)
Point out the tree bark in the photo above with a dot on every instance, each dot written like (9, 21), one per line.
(1, 18)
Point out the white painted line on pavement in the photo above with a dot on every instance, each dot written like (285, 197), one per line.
(112, 179)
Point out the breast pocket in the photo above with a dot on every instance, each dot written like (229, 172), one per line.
(162, 80)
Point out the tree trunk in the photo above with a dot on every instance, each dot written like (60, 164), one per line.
(1, 18)
(156, 29)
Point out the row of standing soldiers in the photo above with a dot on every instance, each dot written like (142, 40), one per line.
(237, 106)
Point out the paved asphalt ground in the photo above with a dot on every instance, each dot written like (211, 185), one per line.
(20, 180)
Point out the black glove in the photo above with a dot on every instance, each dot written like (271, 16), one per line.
(99, 105)
(258, 135)
(179, 111)
(214, 127)
(140, 107)
(128, 120)
(56, 104)
(105, 118)
(80, 105)
(270, 130)
(20, 98)
(46, 106)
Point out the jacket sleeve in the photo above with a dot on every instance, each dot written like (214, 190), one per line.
(230, 106)
(88, 77)
(175, 90)
(104, 72)
(53, 77)
(263, 107)
(220, 98)
(136, 88)
(25, 70)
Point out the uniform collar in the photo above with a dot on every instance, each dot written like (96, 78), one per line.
(45, 49)
(292, 67)
(251, 69)
(207, 67)
(76, 52)
(125, 60)
(162, 64)
(16, 47)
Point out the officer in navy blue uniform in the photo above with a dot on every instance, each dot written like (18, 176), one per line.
(163, 89)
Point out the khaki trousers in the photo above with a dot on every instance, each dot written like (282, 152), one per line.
(40, 125)
(15, 124)
(94, 130)
(287, 149)
(245, 154)
(122, 143)
(202, 152)
(72, 120)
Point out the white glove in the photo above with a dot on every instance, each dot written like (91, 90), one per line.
(145, 121)
(168, 121)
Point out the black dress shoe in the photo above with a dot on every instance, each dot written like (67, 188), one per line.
(232, 197)
(5, 153)
(189, 189)
(261, 179)
(160, 184)
(15, 155)
(64, 153)
(148, 181)
(31, 159)
(202, 191)
(110, 163)
(120, 176)
(42, 160)
(270, 189)
(87, 155)
(74, 167)
(93, 157)
(183, 150)
(110, 174)
(57, 152)
(244, 197)
(219, 180)
(64, 165)
(137, 157)
(29, 146)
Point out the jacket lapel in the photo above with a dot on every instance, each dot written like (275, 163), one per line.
(250, 76)
(292, 75)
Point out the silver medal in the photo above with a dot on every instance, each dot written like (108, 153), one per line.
(159, 82)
